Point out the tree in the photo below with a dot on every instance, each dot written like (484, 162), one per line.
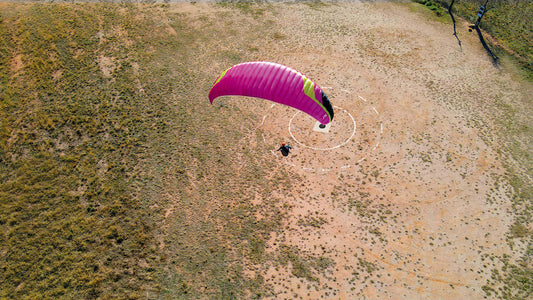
(453, 20)
(480, 13)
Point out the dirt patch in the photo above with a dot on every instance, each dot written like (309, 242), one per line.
(403, 193)
(116, 155)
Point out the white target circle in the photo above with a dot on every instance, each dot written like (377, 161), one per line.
(324, 149)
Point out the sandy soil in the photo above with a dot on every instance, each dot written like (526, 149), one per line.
(405, 186)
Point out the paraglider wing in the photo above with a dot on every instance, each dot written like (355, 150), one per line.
(276, 83)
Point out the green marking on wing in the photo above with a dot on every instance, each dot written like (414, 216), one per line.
(220, 77)
(309, 90)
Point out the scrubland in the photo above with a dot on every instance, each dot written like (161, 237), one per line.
(118, 178)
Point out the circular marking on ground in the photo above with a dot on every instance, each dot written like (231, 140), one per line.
(307, 136)
(351, 138)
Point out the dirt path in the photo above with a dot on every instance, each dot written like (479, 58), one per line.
(404, 193)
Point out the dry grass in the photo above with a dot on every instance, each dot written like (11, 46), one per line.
(118, 179)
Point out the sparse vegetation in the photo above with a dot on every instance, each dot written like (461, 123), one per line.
(506, 20)
(118, 179)
(303, 266)
(91, 134)
(75, 223)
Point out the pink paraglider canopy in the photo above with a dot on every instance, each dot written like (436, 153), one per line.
(276, 83)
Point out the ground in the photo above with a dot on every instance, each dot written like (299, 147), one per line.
(403, 193)
(123, 180)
